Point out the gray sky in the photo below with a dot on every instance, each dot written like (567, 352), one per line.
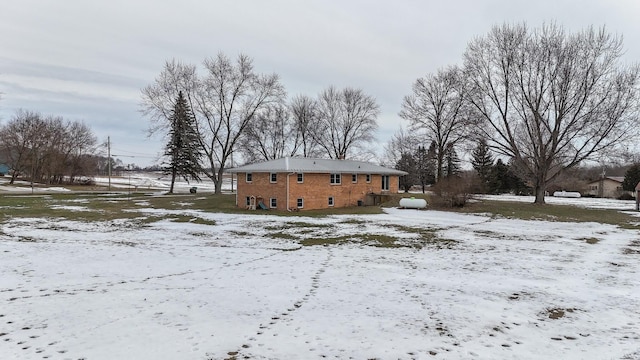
(88, 60)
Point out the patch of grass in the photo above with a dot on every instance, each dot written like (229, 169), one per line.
(557, 313)
(282, 235)
(190, 219)
(325, 241)
(591, 240)
(296, 225)
(353, 222)
(549, 212)
(240, 233)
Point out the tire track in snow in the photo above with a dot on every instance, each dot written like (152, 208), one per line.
(282, 316)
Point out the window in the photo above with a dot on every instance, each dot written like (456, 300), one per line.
(330, 200)
(300, 178)
(273, 202)
(248, 200)
(274, 177)
(249, 177)
(354, 178)
(335, 179)
(368, 178)
(385, 182)
(300, 203)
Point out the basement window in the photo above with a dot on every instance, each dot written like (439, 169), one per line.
(330, 200)
(300, 203)
(273, 202)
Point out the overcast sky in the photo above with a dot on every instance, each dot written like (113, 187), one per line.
(87, 60)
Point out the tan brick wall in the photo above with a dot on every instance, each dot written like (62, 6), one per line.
(315, 189)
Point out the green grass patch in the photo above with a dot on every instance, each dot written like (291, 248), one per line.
(548, 212)
(189, 219)
(282, 235)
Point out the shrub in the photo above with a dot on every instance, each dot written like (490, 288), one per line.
(451, 192)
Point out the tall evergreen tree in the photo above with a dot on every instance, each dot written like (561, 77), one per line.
(407, 163)
(183, 148)
(425, 166)
(631, 178)
(451, 163)
(482, 161)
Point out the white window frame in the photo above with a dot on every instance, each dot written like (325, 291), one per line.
(386, 180)
(248, 177)
(335, 179)
(331, 201)
(248, 200)
(368, 177)
(271, 178)
(354, 178)
(300, 203)
(273, 203)
(300, 178)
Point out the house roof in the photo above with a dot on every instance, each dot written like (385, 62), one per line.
(618, 179)
(309, 165)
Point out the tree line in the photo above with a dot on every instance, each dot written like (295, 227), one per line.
(542, 100)
(235, 110)
(48, 149)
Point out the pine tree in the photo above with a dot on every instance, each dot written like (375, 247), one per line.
(497, 180)
(482, 162)
(407, 163)
(451, 163)
(631, 178)
(425, 166)
(182, 149)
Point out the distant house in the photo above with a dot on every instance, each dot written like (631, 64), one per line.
(305, 184)
(607, 187)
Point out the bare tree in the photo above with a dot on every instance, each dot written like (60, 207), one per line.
(437, 107)
(347, 121)
(304, 113)
(401, 142)
(234, 95)
(269, 136)
(548, 99)
(224, 101)
(46, 148)
(159, 98)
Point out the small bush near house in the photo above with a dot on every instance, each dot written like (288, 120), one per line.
(451, 192)
(626, 196)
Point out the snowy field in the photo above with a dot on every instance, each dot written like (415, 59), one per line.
(455, 287)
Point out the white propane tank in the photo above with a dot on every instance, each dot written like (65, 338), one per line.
(413, 203)
(567, 194)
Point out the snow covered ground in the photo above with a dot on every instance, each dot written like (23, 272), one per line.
(482, 289)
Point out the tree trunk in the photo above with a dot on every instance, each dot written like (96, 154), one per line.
(218, 181)
(173, 180)
(539, 192)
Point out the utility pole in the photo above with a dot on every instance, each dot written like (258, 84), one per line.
(109, 160)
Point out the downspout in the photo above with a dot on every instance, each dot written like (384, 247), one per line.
(289, 174)
(286, 162)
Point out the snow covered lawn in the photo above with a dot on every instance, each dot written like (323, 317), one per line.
(447, 286)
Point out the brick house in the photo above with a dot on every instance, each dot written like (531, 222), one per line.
(305, 184)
